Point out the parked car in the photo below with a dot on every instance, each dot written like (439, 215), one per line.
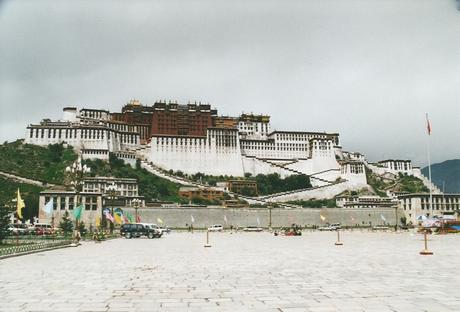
(216, 228)
(138, 230)
(330, 227)
(44, 229)
(253, 228)
(163, 230)
(337, 226)
(31, 229)
(18, 229)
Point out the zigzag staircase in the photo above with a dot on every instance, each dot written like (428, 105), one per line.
(311, 176)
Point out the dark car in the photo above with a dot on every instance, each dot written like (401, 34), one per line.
(138, 230)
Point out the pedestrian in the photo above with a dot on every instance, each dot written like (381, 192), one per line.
(78, 237)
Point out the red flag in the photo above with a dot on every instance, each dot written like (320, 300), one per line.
(428, 125)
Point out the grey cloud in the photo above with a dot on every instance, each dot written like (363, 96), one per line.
(368, 69)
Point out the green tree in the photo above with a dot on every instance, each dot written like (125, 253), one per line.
(55, 152)
(5, 213)
(246, 191)
(66, 224)
(82, 228)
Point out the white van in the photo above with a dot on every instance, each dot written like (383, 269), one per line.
(216, 228)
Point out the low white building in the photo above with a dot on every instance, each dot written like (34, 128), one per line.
(66, 201)
(415, 205)
(95, 195)
(127, 189)
(397, 165)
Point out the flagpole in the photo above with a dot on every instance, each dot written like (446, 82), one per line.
(429, 166)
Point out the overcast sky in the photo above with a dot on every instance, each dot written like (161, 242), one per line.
(368, 69)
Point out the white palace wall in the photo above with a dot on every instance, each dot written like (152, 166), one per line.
(212, 155)
(256, 166)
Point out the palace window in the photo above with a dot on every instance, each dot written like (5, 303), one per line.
(71, 202)
(62, 203)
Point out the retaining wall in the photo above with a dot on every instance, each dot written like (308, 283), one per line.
(179, 217)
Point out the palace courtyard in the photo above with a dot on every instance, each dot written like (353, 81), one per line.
(240, 272)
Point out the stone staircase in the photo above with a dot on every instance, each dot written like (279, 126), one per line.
(150, 167)
(271, 197)
(158, 171)
(323, 182)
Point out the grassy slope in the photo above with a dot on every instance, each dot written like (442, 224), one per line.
(266, 183)
(44, 164)
(403, 183)
(47, 164)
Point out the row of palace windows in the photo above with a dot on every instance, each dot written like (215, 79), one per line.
(59, 202)
(123, 127)
(440, 199)
(93, 114)
(61, 133)
(53, 133)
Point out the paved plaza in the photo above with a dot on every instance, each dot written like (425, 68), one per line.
(240, 272)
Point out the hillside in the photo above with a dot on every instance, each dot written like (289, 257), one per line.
(447, 172)
(47, 164)
(150, 185)
(395, 183)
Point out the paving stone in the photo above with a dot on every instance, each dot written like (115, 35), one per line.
(244, 272)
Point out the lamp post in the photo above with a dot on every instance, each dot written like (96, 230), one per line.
(136, 202)
(76, 174)
(270, 216)
(112, 192)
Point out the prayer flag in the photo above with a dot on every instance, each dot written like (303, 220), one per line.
(323, 218)
(20, 204)
(428, 125)
(159, 220)
(77, 211)
(49, 206)
(192, 218)
(108, 216)
(383, 218)
(130, 217)
(118, 218)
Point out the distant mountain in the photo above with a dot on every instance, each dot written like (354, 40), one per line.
(447, 172)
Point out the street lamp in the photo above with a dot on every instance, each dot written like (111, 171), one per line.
(112, 192)
(76, 174)
(136, 202)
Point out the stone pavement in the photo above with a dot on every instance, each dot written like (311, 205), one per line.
(240, 272)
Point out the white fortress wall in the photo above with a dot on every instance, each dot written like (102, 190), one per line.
(216, 154)
(93, 139)
(376, 169)
(256, 166)
(354, 172)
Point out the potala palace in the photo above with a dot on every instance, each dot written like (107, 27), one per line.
(193, 138)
